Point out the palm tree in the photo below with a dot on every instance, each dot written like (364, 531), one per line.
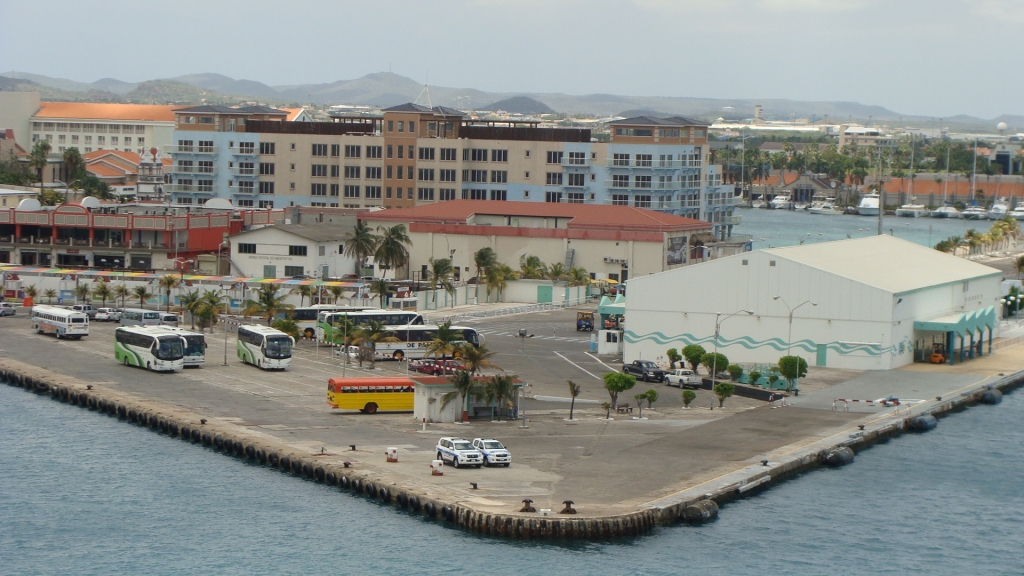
(143, 294)
(440, 274)
(445, 342)
(344, 326)
(336, 292)
(574, 391)
(381, 289)
(474, 358)
(465, 386)
(37, 160)
(268, 303)
(531, 268)
(1020, 266)
(498, 277)
(498, 391)
(578, 276)
(169, 282)
(391, 250)
(31, 291)
(121, 291)
(50, 294)
(286, 325)
(304, 291)
(210, 306)
(82, 292)
(73, 163)
(103, 292)
(360, 243)
(483, 258)
(556, 272)
(371, 333)
(190, 301)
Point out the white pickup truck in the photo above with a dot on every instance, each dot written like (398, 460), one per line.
(682, 378)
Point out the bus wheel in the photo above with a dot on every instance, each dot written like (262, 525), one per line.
(126, 363)
(371, 408)
(259, 364)
(148, 366)
(399, 355)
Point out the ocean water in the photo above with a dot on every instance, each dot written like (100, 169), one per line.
(775, 228)
(85, 494)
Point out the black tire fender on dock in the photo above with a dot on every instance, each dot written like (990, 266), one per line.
(307, 470)
(429, 509)
(414, 503)
(992, 396)
(186, 432)
(319, 473)
(273, 459)
(447, 513)
(207, 439)
(370, 490)
(343, 482)
(923, 423)
(197, 435)
(239, 448)
(250, 451)
(296, 465)
(700, 511)
(331, 478)
(357, 485)
(385, 494)
(112, 408)
(218, 442)
(92, 402)
(261, 456)
(286, 463)
(27, 382)
(73, 397)
(403, 499)
(162, 423)
(101, 405)
(837, 456)
(154, 421)
(42, 387)
(173, 429)
(122, 411)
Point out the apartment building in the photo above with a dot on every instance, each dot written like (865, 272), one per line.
(90, 127)
(412, 155)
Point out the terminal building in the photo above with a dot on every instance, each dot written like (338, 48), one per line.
(868, 304)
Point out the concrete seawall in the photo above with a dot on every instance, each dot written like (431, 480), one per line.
(697, 503)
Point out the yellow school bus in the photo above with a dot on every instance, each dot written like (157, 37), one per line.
(370, 395)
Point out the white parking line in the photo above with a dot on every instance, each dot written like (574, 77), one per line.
(601, 363)
(577, 365)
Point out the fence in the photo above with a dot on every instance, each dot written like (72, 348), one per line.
(524, 309)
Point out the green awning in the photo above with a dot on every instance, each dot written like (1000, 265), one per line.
(963, 323)
(608, 308)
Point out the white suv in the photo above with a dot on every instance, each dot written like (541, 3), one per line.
(493, 451)
(459, 452)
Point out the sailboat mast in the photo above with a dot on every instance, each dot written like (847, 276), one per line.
(974, 170)
(881, 205)
(945, 181)
(911, 168)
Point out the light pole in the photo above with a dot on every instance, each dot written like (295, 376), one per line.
(789, 340)
(718, 327)
(743, 162)
(219, 247)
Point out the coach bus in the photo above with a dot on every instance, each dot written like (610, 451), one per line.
(61, 322)
(306, 317)
(195, 344)
(327, 332)
(140, 317)
(370, 395)
(264, 347)
(149, 348)
(413, 340)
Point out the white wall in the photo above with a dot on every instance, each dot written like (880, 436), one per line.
(272, 249)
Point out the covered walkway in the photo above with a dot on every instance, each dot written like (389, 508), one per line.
(967, 326)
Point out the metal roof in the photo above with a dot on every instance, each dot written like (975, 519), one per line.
(410, 107)
(655, 121)
(314, 232)
(885, 262)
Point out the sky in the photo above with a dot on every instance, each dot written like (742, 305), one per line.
(916, 57)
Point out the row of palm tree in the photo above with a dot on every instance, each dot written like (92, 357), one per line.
(997, 238)
(496, 275)
(388, 246)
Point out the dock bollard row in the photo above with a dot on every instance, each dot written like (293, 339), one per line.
(345, 478)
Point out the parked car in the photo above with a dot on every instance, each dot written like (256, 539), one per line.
(436, 367)
(494, 452)
(87, 308)
(459, 452)
(7, 309)
(644, 370)
(683, 378)
(107, 315)
(169, 320)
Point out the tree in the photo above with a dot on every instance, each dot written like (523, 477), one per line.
(360, 243)
(531, 267)
(639, 399)
(673, 356)
(498, 391)
(735, 371)
(445, 342)
(303, 292)
(652, 397)
(336, 293)
(190, 301)
(286, 325)
(73, 164)
(607, 410)
(616, 383)
(268, 303)
(121, 291)
(381, 289)
(578, 276)
(31, 291)
(498, 277)
(688, 396)
(37, 160)
(574, 391)
(344, 326)
(483, 259)
(81, 292)
(103, 292)
(792, 368)
(169, 282)
(93, 186)
(143, 294)
(723, 390)
(391, 250)
(714, 361)
(474, 358)
(1020, 265)
(439, 274)
(372, 333)
(50, 294)
(693, 354)
(210, 306)
(753, 377)
(556, 272)
(465, 386)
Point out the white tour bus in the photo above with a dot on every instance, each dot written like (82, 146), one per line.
(195, 344)
(326, 332)
(264, 347)
(149, 348)
(140, 317)
(62, 322)
(306, 317)
(413, 340)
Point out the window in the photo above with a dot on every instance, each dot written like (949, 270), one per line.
(322, 251)
(401, 152)
(373, 192)
(412, 126)
(577, 158)
(474, 194)
(698, 133)
(335, 150)
(247, 147)
(388, 191)
(499, 176)
(400, 172)
(245, 203)
(574, 197)
(553, 197)
(644, 159)
(391, 125)
(352, 151)
(634, 132)
(205, 186)
(319, 170)
(448, 176)
(642, 201)
(389, 171)
(577, 179)
(294, 270)
(499, 195)
(88, 139)
(266, 204)
(319, 149)
(334, 189)
(554, 179)
(246, 248)
(62, 139)
(426, 153)
(113, 140)
(296, 250)
(318, 189)
(668, 133)
(620, 181)
(74, 138)
(478, 175)
(408, 192)
(479, 155)
(401, 126)
(266, 168)
(446, 194)
(246, 187)
(372, 151)
(246, 168)
(409, 172)
(620, 200)
(206, 167)
(101, 140)
(318, 204)
(351, 191)
(267, 148)
(352, 172)
(448, 154)
(425, 194)
(291, 185)
(499, 155)
(620, 160)
(206, 119)
(266, 187)
(642, 181)
(334, 171)
(426, 174)
(391, 151)
(431, 126)
(554, 157)
(206, 146)
(373, 172)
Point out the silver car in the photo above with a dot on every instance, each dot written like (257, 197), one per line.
(7, 309)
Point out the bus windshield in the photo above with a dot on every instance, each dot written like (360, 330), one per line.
(169, 348)
(196, 346)
(279, 347)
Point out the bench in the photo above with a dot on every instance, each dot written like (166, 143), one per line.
(624, 409)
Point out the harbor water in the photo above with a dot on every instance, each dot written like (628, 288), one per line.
(85, 494)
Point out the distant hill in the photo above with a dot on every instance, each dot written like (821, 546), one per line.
(520, 105)
(50, 93)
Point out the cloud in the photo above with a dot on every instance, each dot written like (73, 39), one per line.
(751, 7)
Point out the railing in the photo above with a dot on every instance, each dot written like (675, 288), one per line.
(655, 163)
(191, 169)
(7, 239)
(524, 309)
(188, 188)
(238, 151)
(190, 149)
(242, 190)
(79, 241)
(34, 240)
(733, 220)
(244, 171)
(576, 162)
(62, 241)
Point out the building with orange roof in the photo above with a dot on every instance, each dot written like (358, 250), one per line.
(129, 173)
(91, 126)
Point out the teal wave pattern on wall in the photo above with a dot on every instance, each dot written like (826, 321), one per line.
(749, 343)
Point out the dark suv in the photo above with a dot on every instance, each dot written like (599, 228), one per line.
(644, 370)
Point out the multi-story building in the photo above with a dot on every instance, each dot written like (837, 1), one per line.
(412, 155)
(90, 127)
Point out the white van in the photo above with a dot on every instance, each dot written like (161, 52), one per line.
(169, 319)
(140, 317)
(85, 308)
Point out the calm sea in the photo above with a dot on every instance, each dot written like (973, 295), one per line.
(85, 494)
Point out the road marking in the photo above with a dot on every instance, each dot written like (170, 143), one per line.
(599, 361)
(577, 365)
(563, 399)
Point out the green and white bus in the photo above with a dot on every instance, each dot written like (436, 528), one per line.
(306, 317)
(195, 344)
(413, 340)
(264, 347)
(149, 348)
(326, 331)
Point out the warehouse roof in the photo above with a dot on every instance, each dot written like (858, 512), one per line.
(314, 232)
(886, 262)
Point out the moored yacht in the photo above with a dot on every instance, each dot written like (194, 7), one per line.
(947, 211)
(912, 210)
(868, 205)
(974, 213)
(999, 209)
(1017, 213)
(781, 202)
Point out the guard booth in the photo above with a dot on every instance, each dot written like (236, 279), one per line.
(611, 312)
(956, 337)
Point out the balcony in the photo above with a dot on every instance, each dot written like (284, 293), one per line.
(35, 240)
(244, 172)
(732, 220)
(652, 164)
(243, 151)
(247, 190)
(188, 188)
(576, 162)
(190, 149)
(6, 239)
(177, 169)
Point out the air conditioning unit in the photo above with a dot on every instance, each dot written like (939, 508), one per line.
(608, 260)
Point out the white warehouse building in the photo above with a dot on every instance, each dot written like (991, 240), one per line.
(869, 304)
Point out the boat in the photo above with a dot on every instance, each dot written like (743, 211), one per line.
(999, 209)
(781, 202)
(1017, 213)
(912, 210)
(758, 204)
(974, 213)
(800, 206)
(826, 208)
(868, 205)
(947, 211)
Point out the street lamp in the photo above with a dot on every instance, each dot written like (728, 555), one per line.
(718, 327)
(789, 341)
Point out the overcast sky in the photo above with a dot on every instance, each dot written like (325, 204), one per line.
(929, 57)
